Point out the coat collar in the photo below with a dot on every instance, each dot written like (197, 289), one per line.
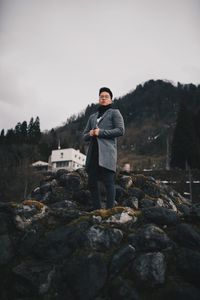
(102, 117)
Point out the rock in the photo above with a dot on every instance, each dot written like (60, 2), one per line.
(121, 259)
(83, 197)
(33, 278)
(195, 212)
(86, 275)
(58, 249)
(58, 194)
(161, 216)
(45, 187)
(150, 238)
(6, 249)
(55, 245)
(184, 209)
(168, 203)
(183, 293)
(139, 180)
(149, 269)
(123, 289)
(4, 221)
(64, 204)
(61, 172)
(187, 236)
(146, 203)
(131, 202)
(151, 189)
(121, 218)
(126, 181)
(100, 238)
(136, 192)
(121, 193)
(188, 262)
(70, 181)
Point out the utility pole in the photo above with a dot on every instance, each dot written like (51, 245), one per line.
(188, 168)
(167, 154)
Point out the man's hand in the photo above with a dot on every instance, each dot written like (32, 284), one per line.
(94, 132)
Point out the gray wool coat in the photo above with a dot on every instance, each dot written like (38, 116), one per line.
(111, 126)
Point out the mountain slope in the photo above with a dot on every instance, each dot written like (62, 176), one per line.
(150, 114)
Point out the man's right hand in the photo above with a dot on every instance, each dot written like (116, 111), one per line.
(91, 133)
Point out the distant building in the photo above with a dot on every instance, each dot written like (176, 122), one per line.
(40, 165)
(69, 159)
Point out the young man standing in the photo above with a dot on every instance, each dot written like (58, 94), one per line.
(101, 131)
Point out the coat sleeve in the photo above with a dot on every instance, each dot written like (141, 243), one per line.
(118, 126)
(88, 127)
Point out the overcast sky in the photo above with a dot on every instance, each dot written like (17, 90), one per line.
(56, 54)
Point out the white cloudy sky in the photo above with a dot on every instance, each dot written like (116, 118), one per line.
(56, 54)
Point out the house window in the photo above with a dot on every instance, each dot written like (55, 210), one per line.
(62, 164)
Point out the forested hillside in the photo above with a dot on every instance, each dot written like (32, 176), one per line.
(162, 130)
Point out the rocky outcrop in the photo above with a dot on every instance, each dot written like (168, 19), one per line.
(53, 247)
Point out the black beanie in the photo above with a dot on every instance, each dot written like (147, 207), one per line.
(105, 89)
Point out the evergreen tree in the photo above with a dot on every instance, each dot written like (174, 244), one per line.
(2, 137)
(34, 133)
(23, 131)
(30, 131)
(185, 143)
(10, 136)
(17, 131)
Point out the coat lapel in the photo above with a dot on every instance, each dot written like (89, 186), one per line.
(94, 121)
(104, 115)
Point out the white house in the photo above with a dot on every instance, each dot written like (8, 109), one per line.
(40, 165)
(69, 159)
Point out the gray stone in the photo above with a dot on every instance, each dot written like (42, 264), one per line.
(70, 181)
(64, 204)
(149, 269)
(161, 216)
(131, 202)
(188, 262)
(150, 238)
(3, 223)
(122, 289)
(45, 188)
(183, 293)
(195, 212)
(121, 194)
(86, 275)
(126, 181)
(151, 189)
(103, 238)
(188, 236)
(121, 259)
(6, 249)
(136, 192)
(33, 277)
(184, 209)
(146, 203)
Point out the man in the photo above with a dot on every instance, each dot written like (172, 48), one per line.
(102, 130)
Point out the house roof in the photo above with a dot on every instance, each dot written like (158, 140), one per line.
(40, 163)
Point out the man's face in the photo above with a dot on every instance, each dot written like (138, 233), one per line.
(105, 99)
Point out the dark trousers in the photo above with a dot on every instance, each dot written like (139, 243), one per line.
(95, 175)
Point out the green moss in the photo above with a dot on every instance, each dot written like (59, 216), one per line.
(85, 218)
(107, 213)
